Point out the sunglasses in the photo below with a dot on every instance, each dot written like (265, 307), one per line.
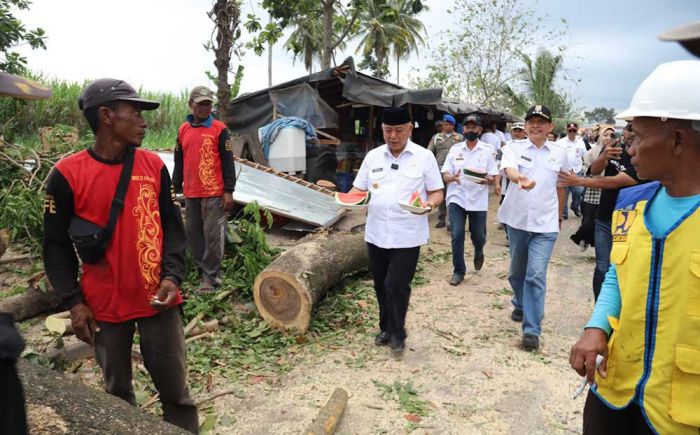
(572, 130)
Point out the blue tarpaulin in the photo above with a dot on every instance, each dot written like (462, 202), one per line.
(269, 133)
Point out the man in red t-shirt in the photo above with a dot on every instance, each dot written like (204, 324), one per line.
(136, 282)
(204, 168)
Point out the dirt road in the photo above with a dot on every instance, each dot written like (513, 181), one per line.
(462, 368)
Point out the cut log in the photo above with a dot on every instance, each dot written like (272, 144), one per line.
(56, 404)
(287, 289)
(329, 416)
(30, 303)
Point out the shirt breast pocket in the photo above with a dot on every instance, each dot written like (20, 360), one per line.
(374, 179)
(553, 165)
(411, 180)
(525, 162)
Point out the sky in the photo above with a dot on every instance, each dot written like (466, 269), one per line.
(159, 44)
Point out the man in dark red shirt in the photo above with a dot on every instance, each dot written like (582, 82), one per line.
(136, 282)
(204, 168)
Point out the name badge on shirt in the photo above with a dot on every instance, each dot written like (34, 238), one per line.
(377, 169)
(525, 162)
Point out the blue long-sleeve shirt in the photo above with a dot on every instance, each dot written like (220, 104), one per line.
(663, 212)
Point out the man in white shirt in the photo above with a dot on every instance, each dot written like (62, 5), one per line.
(465, 198)
(392, 172)
(490, 137)
(575, 149)
(531, 211)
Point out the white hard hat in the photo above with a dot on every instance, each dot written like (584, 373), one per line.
(672, 90)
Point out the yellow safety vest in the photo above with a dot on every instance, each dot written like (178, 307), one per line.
(654, 350)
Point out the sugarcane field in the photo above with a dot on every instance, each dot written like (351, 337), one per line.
(362, 217)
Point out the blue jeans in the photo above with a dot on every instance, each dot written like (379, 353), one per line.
(603, 245)
(576, 199)
(477, 229)
(529, 257)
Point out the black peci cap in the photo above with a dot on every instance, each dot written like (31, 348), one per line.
(395, 116)
(539, 110)
(105, 90)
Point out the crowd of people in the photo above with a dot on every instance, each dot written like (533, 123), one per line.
(118, 260)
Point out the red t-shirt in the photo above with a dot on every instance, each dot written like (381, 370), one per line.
(202, 173)
(120, 286)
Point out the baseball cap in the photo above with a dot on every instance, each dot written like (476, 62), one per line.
(105, 90)
(539, 110)
(571, 125)
(472, 117)
(395, 116)
(518, 126)
(449, 118)
(201, 93)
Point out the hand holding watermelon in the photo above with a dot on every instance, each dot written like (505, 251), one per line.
(416, 205)
(353, 199)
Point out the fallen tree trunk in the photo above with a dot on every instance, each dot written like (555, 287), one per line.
(287, 289)
(30, 303)
(57, 405)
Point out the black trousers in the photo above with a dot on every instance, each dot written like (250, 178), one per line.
(13, 419)
(598, 419)
(586, 231)
(392, 271)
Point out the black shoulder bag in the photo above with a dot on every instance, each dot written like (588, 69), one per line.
(91, 240)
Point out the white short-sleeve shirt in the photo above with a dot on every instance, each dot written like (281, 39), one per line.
(491, 139)
(391, 179)
(575, 149)
(467, 194)
(535, 210)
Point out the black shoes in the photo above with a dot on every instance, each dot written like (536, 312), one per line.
(382, 339)
(440, 224)
(478, 260)
(397, 346)
(530, 342)
(517, 315)
(456, 279)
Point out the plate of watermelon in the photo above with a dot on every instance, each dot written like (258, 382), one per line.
(353, 200)
(415, 204)
(474, 175)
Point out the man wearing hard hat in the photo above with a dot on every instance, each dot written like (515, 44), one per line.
(646, 323)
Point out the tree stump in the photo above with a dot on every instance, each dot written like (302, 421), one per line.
(287, 289)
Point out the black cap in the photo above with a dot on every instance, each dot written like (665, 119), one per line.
(105, 90)
(395, 116)
(539, 110)
(472, 117)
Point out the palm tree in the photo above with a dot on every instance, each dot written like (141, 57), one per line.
(305, 40)
(538, 79)
(387, 24)
(410, 30)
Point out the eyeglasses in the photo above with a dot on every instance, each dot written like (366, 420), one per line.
(573, 130)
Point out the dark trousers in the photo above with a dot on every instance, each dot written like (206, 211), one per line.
(603, 245)
(163, 349)
(392, 271)
(442, 210)
(205, 225)
(13, 420)
(586, 231)
(477, 231)
(598, 419)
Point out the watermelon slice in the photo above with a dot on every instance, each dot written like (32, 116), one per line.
(475, 173)
(416, 200)
(354, 198)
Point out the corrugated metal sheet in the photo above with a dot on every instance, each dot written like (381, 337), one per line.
(278, 195)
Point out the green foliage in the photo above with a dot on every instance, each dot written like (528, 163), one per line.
(600, 115)
(538, 81)
(21, 211)
(13, 34)
(405, 394)
(473, 62)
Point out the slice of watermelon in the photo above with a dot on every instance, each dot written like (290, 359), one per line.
(416, 200)
(354, 198)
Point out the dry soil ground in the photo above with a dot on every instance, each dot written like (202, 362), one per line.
(463, 358)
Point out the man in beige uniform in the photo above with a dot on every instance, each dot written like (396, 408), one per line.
(440, 145)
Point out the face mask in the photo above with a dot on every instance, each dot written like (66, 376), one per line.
(471, 136)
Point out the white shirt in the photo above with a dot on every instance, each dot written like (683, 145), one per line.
(467, 194)
(491, 139)
(501, 137)
(388, 225)
(536, 210)
(575, 149)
